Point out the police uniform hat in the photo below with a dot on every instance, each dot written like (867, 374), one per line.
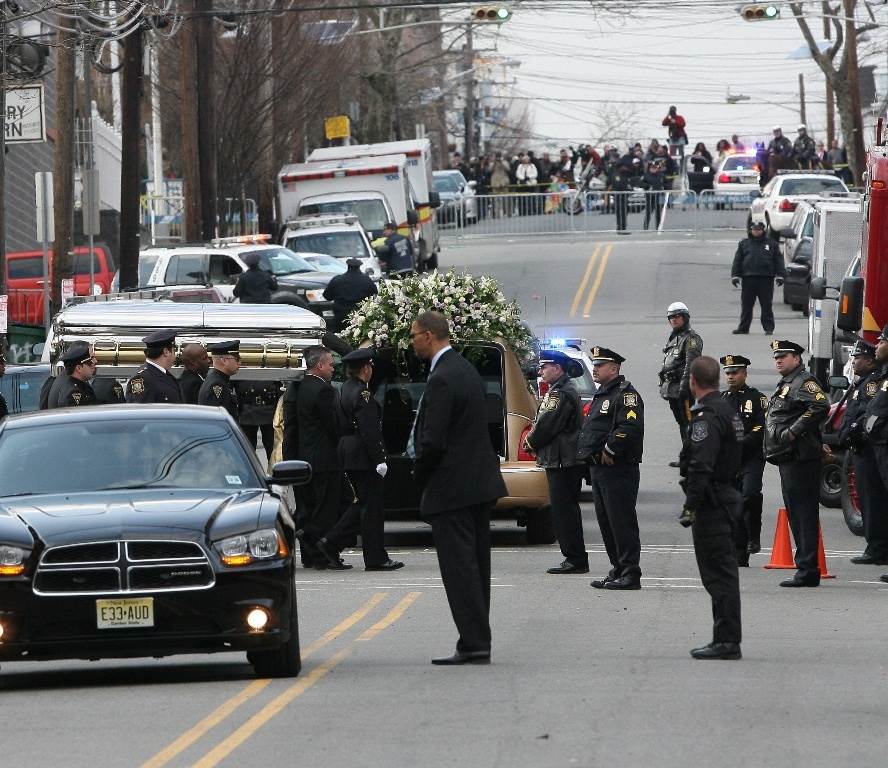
(359, 357)
(863, 347)
(353, 263)
(77, 354)
(605, 355)
(224, 347)
(162, 338)
(784, 347)
(733, 362)
(571, 367)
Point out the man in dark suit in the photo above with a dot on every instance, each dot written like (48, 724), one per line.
(459, 474)
(196, 363)
(311, 434)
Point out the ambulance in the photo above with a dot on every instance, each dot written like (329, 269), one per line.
(419, 172)
(375, 189)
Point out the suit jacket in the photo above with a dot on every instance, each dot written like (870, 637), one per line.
(317, 427)
(190, 383)
(455, 462)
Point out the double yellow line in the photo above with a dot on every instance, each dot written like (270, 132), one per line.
(596, 283)
(224, 748)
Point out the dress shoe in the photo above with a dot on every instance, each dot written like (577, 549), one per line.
(464, 657)
(718, 651)
(674, 464)
(798, 581)
(334, 561)
(743, 561)
(866, 559)
(601, 583)
(624, 582)
(739, 331)
(388, 565)
(754, 547)
(569, 567)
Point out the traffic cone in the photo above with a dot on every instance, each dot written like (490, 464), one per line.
(781, 552)
(821, 557)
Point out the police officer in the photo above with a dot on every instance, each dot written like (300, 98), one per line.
(397, 255)
(153, 382)
(710, 462)
(196, 363)
(779, 146)
(794, 443)
(257, 400)
(348, 290)
(254, 286)
(757, 263)
(553, 439)
(619, 184)
(682, 348)
(611, 440)
(362, 456)
(871, 491)
(750, 405)
(80, 367)
(217, 389)
(804, 150)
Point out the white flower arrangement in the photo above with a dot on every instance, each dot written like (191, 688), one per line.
(475, 306)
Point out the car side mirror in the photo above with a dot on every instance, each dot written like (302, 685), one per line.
(838, 382)
(787, 234)
(412, 218)
(290, 473)
(434, 199)
(818, 288)
(850, 314)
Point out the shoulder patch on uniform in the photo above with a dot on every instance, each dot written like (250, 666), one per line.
(550, 401)
(137, 386)
(819, 396)
(630, 399)
(76, 397)
(631, 415)
(699, 431)
(692, 342)
(811, 386)
(217, 390)
(871, 388)
(366, 395)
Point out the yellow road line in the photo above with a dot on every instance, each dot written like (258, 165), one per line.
(227, 708)
(593, 291)
(582, 288)
(276, 705)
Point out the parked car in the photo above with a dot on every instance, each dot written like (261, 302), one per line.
(782, 194)
(160, 534)
(21, 385)
(458, 203)
(341, 236)
(798, 251)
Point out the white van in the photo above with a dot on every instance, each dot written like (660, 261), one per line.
(419, 172)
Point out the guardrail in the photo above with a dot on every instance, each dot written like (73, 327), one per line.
(572, 212)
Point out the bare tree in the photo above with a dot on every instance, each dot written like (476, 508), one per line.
(615, 123)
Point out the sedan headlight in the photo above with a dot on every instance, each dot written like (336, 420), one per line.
(316, 295)
(12, 560)
(259, 545)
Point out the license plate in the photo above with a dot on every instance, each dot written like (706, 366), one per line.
(125, 612)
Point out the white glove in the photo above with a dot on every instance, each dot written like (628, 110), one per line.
(381, 469)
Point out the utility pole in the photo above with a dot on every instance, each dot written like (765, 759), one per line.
(189, 122)
(206, 126)
(2, 158)
(130, 159)
(469, 116)
(63, 165)
(830, 96)
(802, 115)
(856, 155)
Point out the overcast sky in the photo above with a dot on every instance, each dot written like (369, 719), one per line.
(575, 64)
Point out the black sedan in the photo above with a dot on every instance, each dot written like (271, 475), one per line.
(144, 531)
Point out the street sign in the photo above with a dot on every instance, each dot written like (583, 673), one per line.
(67, 289)
(4, 304)
(338, 127)
(25, 119)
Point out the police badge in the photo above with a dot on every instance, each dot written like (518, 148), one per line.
(871, 388)
(217, 390)
(605, 406)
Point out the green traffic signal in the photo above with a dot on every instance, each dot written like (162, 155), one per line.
(496, 14)
(759, 12)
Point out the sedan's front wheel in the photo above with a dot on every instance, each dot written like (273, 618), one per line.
(285, 661)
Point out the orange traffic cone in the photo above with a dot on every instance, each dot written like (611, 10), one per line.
(821, 557)
(781, 552)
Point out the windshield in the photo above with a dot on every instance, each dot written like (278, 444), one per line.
(325, 263)
(449, 183)
(740, 163)
(125, 453)
(279, 261)
(812, 186)
(342, 245)
(371, 213)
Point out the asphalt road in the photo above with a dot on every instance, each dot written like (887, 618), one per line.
(580, 677)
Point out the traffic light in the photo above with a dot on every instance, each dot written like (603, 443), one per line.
(760, 12)
(491, 14)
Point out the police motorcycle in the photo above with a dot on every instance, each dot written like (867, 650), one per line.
(838, 483)
(587, 193)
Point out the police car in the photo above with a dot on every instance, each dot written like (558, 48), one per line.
(576, 349)
(337, 235)
(737, 176)
(782, 194)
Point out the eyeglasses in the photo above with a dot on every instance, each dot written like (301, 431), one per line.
(90, 361)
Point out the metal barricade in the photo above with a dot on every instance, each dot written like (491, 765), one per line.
(720, 209)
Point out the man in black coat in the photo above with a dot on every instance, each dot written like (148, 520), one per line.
(196, 363)
(254, 286)
(348, 290)
(80, 367)
(4, 409)
(399, 257)
(757, 263)
(153, 382)
(459, 473)
(362, 456)
(311, 433)
(217, 389)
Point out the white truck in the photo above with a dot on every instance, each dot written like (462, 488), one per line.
(375, 189)
(837, 231)
(419, 172)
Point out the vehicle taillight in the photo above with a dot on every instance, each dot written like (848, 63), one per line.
(787, 205)
(522, 454)
(723, 178)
